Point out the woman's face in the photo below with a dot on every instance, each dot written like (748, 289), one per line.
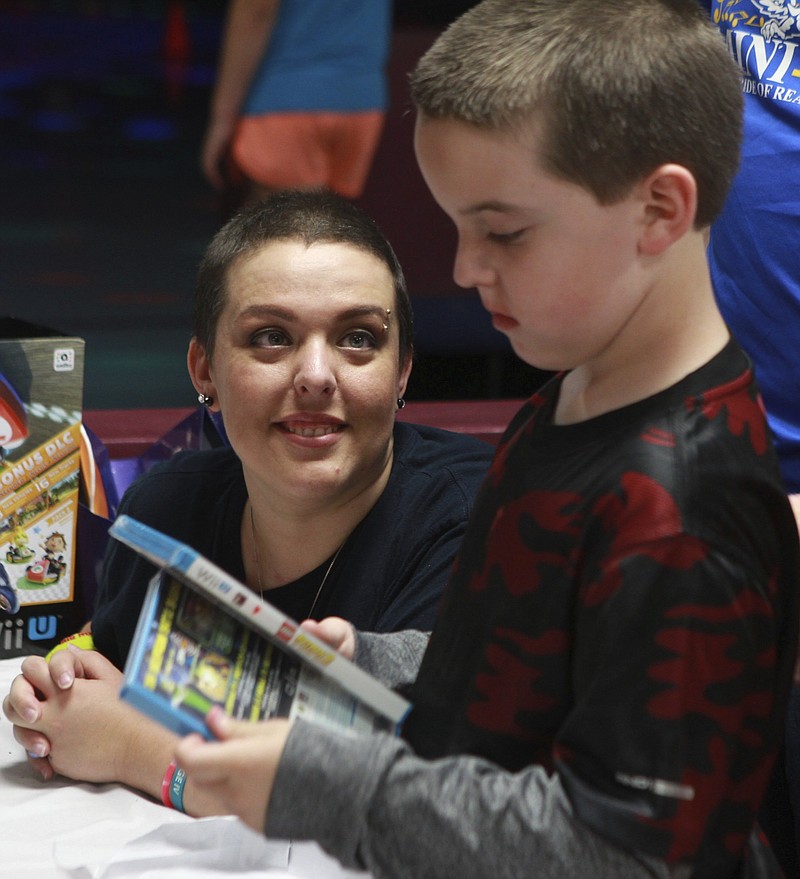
(306, 369)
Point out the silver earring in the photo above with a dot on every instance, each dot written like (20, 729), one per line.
(401, 403)
(203, 400)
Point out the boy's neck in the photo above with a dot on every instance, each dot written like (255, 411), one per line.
(678, 330)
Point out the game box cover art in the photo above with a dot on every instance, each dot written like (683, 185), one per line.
(196, 658)
(203, 639)
(41, 394)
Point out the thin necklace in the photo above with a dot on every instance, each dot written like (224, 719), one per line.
(261, 589)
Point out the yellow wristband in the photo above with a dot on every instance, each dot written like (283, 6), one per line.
(82, 640)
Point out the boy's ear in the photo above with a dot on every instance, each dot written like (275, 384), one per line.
(669, 195)
(199, 368)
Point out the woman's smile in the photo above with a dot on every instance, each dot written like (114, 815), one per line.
(309, 430)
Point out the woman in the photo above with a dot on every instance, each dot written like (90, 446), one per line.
(303, 342)
(323, 503)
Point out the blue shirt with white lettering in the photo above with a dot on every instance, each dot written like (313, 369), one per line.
(754, 251)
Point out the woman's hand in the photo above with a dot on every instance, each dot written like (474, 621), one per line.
(335, 632)
(69, 718)
(233, 775)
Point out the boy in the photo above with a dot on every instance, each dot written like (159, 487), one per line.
(603, 692)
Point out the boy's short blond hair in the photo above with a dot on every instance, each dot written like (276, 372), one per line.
(621, 86)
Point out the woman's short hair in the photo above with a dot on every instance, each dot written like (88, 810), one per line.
(309, 216)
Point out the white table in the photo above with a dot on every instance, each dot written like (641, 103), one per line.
(65, 830)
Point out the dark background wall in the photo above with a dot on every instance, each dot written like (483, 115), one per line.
(104, 213)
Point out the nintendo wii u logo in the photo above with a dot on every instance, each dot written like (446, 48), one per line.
(12, 635)
(40, 628)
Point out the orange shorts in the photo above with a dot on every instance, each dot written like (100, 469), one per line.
(303, 150)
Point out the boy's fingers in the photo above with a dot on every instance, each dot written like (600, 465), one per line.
(219, 723)
(223, 727)
(333, 631)
(266, 731)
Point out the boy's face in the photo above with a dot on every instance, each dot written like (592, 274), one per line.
(559, 273)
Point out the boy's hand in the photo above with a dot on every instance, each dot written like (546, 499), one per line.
(234, 775)
(335, 632)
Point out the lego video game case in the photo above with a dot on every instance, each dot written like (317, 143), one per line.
(203, 639)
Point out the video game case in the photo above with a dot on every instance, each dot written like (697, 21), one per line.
(253, 661)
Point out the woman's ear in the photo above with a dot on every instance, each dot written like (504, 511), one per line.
(405, 372)
(199, 367)
(669, 195)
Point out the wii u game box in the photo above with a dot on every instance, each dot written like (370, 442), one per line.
(41, 396)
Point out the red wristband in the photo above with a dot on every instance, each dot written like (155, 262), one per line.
(166, 784)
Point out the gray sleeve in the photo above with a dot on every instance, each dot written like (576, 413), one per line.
(372, 804)
(392, 658)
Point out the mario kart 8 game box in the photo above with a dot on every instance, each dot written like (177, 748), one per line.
(41, 396)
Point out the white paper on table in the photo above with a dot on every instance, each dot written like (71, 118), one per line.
(94, 821)
(207, 848)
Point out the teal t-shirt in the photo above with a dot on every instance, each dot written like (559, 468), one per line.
(324, 55)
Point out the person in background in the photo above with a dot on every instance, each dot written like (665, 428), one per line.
(752, 247)
(754, 265)
(300, 96)
(604, 688)
(323, 503)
